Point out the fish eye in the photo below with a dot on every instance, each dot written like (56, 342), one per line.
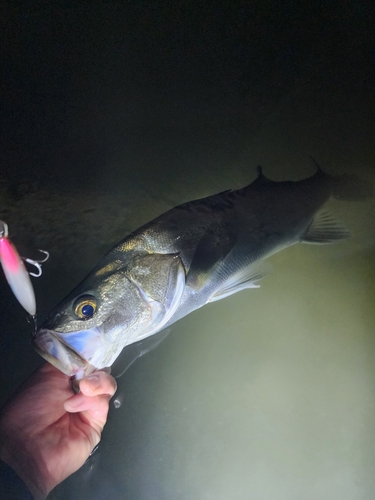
(85, 307)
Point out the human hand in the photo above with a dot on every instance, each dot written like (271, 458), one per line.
(47, 432)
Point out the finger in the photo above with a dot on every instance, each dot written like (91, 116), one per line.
(99, 382)
(97, 405)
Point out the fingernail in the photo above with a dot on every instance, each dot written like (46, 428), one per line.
(93, 380)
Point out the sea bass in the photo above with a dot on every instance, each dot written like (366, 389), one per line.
(195, 253)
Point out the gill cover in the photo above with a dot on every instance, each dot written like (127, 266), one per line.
(160, 280)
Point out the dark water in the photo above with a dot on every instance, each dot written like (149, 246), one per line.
(113, 113)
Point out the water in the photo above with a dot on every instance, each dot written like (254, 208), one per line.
(268, 394)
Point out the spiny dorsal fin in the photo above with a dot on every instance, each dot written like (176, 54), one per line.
(261, 177)
(319, 171)
(348, 187)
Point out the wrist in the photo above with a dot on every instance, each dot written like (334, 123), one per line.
(26, 466)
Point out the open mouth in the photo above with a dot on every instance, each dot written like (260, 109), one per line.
(52, 347)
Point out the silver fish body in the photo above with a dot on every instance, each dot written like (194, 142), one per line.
(198, 252)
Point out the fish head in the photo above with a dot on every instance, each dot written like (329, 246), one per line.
(116, 305)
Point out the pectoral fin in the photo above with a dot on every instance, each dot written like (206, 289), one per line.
(325, 229)
(216, 243)
(246, 278)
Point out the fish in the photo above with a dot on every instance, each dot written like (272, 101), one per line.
(196, 253)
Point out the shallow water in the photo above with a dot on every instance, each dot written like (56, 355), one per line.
(268, 394)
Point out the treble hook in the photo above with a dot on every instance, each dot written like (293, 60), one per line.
(16, 272)
(37, 263)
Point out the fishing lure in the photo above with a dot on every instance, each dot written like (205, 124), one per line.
(16, 272)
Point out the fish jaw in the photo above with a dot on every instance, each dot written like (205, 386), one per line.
(63, 351)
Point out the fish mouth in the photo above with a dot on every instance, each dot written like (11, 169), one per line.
(53, 348)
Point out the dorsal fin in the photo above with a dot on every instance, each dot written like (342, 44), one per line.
(261, 177)
(319, 171)
(345, 186)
